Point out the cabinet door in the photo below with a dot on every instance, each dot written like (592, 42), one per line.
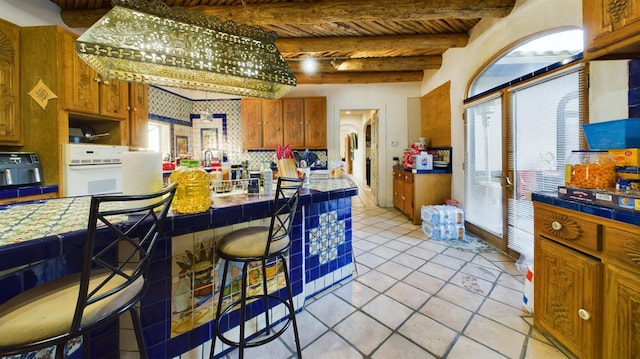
(80, 82)
(293, 121)
(567, 297)
(315, 117)
(272, 134)
(408, 194)
(398, 190)
(251, 123)
(10, 123)
(622, 313)
(114, 99)
(612, 26)
(138, 115)
(429, 189)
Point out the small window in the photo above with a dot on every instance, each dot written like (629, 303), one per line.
(527, 57)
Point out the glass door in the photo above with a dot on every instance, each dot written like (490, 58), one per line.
(483, 166)
(545, 117)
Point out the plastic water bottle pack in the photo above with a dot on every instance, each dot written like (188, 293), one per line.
(442, 222)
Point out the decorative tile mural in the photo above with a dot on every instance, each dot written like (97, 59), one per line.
(324, 239)
(196, 278)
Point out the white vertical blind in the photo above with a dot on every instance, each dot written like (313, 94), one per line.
(545, 117)
(483, 164)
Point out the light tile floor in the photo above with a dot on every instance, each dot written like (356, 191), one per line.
(414, 298)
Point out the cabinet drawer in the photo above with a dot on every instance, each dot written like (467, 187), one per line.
(570, 230)
(623, 246)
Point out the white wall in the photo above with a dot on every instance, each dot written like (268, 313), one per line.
(489, 37)
(31, 12)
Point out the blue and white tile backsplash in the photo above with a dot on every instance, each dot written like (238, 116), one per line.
(184, 117)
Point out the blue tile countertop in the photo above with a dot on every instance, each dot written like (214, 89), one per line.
(625, 216)
(37, 220)
(27, 191)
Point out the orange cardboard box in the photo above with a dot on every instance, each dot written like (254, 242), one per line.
(626, 157)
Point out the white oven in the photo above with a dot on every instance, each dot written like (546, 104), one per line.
(91, 169)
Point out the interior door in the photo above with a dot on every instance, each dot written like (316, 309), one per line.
(374, 157)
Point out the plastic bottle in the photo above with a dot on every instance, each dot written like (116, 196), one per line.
(192, 195)
(267, 179)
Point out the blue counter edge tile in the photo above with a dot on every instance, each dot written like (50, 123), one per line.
(599, 211)
(27, 191)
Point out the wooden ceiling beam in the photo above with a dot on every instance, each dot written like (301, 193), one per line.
(359, 77)
(370, 43)
(383, 64)
(323, 11)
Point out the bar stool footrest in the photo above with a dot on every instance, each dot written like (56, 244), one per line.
(271, 336)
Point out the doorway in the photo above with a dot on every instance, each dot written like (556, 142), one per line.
(359, 147)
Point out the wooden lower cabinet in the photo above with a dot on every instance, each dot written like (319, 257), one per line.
(567, 301)
(411, 191)
(587, 282)
(622, 313)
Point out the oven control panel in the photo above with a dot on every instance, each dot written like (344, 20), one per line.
(89, 154)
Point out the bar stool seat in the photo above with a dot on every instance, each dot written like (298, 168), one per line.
(266, 244)
(250, 243)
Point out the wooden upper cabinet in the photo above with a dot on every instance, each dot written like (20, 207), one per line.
(271, 123)
(251, 123)
(10, 123)
(87, 92)
(315, 122)
(299, 122)
(293, 121)
(114, 99)
(612, 28)
(138, 115)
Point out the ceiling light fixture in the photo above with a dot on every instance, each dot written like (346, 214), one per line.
(150, 42)
(310, 65)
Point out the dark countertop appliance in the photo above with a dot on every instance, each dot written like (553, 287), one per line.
(19, 169)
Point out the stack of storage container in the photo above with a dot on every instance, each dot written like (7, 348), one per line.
(443, 223)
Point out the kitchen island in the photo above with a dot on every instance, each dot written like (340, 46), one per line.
(42, 240)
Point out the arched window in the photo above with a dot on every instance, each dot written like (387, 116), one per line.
(527, 57)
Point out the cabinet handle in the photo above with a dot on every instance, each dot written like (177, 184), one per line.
(583, 314)
(556, 225)
(97, 79)
(129, 108)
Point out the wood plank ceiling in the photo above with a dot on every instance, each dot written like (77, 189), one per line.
(354, 41)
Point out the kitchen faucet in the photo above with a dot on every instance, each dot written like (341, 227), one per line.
(207, 157)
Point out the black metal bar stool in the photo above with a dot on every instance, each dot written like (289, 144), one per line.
(261, 244)
(53, 313)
